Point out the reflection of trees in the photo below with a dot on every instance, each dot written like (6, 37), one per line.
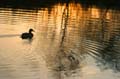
(84, 36)
(103, 23)
(107, 53)
(67, 60)
(97, 27)
(65, 16)
(108, 38)
(111, 54)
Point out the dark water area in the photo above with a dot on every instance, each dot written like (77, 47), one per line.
(32, 4)
(27, 4)
(70, 42)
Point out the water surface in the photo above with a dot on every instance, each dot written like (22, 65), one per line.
(70, 42)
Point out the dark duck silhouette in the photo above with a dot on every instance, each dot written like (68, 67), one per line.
(28, 35)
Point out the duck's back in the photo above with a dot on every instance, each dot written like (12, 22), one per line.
(26, 35)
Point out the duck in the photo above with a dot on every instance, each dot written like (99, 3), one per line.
(27, 35)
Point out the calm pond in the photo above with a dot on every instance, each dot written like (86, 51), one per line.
(70, 42)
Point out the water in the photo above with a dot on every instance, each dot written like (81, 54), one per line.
(70, 42)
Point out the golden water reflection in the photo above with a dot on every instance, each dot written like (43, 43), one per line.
(70, 41)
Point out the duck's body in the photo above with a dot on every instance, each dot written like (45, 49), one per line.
(28, 35)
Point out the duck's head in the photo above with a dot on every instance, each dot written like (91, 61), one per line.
(31, 30)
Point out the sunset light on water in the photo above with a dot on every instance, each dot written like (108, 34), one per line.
(70, 41)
